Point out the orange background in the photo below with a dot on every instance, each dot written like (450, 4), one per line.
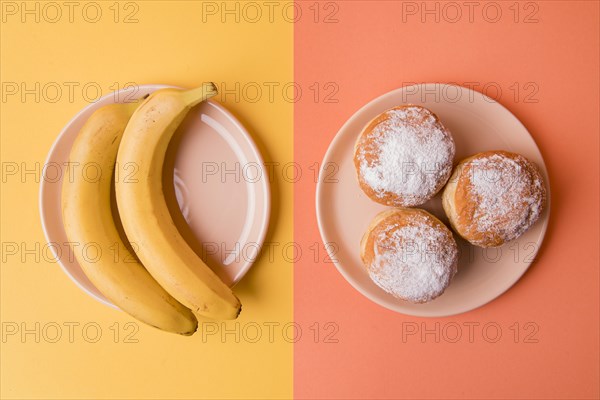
(374, 48)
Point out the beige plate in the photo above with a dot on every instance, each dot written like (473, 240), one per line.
(219, 184)
(478, 123)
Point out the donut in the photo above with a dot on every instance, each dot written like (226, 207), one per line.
(494, 197)
(410, 254)
(404, 156)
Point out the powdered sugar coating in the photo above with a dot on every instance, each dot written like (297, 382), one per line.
(404, 156)
(414, 259)
(505, 194)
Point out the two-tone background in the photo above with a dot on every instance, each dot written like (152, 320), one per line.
(293, 73)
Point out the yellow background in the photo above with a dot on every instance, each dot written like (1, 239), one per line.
(170, 44)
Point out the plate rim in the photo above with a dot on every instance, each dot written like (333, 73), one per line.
(265, 187)
(319, 211)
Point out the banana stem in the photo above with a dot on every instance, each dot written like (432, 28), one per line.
(199, 94)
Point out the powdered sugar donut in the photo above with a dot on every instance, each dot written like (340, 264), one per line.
(494, 197)
(410, 254)
(404, 156)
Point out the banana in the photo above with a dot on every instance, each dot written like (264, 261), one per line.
(88, 221)
(144, 212)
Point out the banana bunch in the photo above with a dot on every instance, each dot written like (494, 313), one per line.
(144, 266)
